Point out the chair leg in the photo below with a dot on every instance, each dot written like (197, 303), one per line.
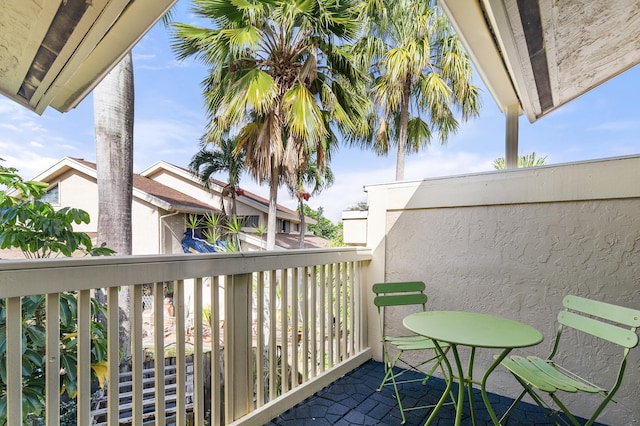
(507, 413)
(395, 387)
(389, 370)
(550, 412)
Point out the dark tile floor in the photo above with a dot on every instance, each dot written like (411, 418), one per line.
(353, 400)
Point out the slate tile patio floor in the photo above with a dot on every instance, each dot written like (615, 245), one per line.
(353, 400)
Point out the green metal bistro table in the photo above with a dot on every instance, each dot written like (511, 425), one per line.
(474, 330)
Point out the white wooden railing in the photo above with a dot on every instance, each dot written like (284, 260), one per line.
(295, 317)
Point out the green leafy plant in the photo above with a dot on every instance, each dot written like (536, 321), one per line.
(38, 230)
(233, 226)
(193, 222)
(34, 226)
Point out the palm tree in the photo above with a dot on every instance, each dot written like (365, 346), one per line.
(280, 75)
(224, 157)
(317, 180)
(527, 160)
(422, 75)
(113, 122)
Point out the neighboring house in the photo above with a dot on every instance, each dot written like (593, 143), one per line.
(163, 197)
(251, 207)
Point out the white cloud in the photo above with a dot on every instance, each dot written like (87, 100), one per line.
(617, 126)
(144, 57)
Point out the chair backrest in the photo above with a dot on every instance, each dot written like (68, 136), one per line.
(400, 294)
(613, 323)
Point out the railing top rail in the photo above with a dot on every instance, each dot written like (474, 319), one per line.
(41, 276)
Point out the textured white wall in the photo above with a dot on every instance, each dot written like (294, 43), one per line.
(503, 254)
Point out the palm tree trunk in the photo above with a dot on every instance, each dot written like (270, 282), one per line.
(234, 210)
(302, 221)
(113, 121)
(273, 200)
(402, 133)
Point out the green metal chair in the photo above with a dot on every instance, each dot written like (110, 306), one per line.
(402, 294)
(612, 323)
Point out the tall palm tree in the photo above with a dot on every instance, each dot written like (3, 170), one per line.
(280, 75)
(422, 75)
(113, 122)
(223, 157)
(316, 180)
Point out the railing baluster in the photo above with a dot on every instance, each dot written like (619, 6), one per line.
(198, 368)
(345, 325)
(295, 303)
(113, 346)
(216, 412)
(52, 357)
(84, 357)
(260, 340)
(352, 347)
(273, 365)
(14, 361)
(137, 357)
(336, 316)
(330, 314)
(250, 333)
(284, 332)
(323, 316)
(360, 310)
(158, 350)
(314, 321)
(305, 323)
(181, 376)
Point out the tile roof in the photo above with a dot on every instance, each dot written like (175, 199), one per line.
(163, 192)
(247, 194)
(292, 241)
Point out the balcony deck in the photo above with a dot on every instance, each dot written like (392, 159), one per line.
(353, 400)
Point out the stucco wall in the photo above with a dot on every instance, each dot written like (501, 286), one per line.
(514, 244)
(79, 191)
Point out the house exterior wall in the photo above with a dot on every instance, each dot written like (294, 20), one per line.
(146, 228)
(514, 243)
(79, 191)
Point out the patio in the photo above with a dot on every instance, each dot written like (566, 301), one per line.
(353, 400)
(511, 243)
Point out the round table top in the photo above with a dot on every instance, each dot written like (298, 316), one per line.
(473, 329)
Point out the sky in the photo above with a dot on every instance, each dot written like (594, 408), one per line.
(170, 118)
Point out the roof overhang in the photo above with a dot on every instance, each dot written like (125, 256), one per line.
(54, 52)
(542, 54)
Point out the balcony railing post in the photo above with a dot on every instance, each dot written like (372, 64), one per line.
(14, 359)
(237, 348)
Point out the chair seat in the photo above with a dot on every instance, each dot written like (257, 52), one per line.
(409, 343)
(547, 376)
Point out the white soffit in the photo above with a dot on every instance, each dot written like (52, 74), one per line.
(54, 52)
(553, 51)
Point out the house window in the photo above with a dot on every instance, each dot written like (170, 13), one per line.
(251, 221)
(52, 196)
(285, 226)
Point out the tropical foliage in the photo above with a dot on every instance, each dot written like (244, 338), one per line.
(422, 76)
(324, 227)
(315, 180)
(34, 227)
(281, 80)
(222, 157)
(527, 160)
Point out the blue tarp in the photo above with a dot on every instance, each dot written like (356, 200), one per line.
(191, 244)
